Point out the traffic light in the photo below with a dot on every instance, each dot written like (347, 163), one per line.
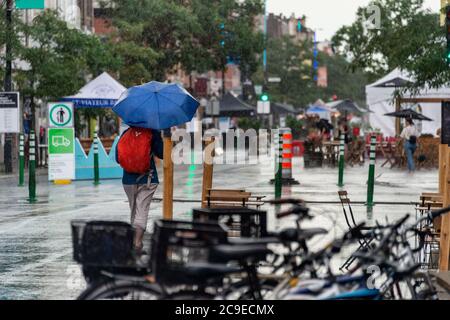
(264, 97)
(299, 25)
(222, 34)
(447, 29)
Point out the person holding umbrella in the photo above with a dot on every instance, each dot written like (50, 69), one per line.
(409, 134)
(135, 153)
(148, 109)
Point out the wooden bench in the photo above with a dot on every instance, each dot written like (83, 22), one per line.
(428, 255)
(230, 197)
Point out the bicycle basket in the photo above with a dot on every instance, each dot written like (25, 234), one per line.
(176, 243)
(103, 243)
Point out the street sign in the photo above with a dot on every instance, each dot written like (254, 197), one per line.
(9, 112)
(258, 90)
(61, 154)
(263, 107)
(213, 108)
(274, 79)
(30, 4)
(60, 114)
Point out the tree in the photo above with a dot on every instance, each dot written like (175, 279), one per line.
(161, 33)
(14, 37)
(59, 59)
(292, 62)
(195, 35)
(409, 37)
(342, 82)
(239, 42)
(289, 61)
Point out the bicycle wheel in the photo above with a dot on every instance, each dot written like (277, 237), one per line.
(242, 290)
(190, 295)
(122, 290)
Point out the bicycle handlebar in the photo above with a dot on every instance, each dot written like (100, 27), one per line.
(301, 211)
(437, 213)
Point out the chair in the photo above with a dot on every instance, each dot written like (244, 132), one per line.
(429, 255)
(427, 153)
(356, 152)
(351, 223)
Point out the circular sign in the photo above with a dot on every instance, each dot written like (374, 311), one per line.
(60, 115)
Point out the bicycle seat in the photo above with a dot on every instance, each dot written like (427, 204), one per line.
(203, 271)
(292, 234)
(227, 253)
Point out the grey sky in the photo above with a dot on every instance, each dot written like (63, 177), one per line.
(328, 15)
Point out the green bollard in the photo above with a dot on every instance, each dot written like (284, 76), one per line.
(279, 167)
(21, 160)
(341, 161)
(371, 181)
(96, 164)
(32, 168)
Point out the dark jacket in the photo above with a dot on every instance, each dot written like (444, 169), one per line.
(157, 150)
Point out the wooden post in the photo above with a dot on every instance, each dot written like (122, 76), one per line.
(442, 156)
(168, 176)
(397, 120)
(444, 252)
(208, 168)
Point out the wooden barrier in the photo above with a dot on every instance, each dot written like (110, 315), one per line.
(442, 157)
(168, 176)
(444, 175)
(208, 169)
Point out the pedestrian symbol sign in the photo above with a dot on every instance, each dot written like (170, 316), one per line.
(60, 115)
(61, 141)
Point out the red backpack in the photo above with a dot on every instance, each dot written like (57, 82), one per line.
(134, 150)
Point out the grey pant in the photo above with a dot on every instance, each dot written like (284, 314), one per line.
(139, 197)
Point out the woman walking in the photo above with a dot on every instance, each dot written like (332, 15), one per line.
(409, 134)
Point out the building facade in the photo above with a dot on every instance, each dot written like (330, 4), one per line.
(77, 13)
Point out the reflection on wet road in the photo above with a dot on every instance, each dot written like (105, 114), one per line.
(35, 240)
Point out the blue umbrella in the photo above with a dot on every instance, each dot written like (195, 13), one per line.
(156, 105)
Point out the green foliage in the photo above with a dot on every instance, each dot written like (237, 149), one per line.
(249, 123)
(342, 82)
(14, 37)
(292, 62)
(176, 33)
(60, 59)
(296, 126)
(286, 59)
(409, 37)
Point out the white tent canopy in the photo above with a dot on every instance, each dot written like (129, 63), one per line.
(380, 100)
(101, 92)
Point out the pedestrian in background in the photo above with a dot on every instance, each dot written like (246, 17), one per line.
(135, 153)
(409, 135)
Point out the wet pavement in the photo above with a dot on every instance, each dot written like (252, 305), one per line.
(35, 239)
